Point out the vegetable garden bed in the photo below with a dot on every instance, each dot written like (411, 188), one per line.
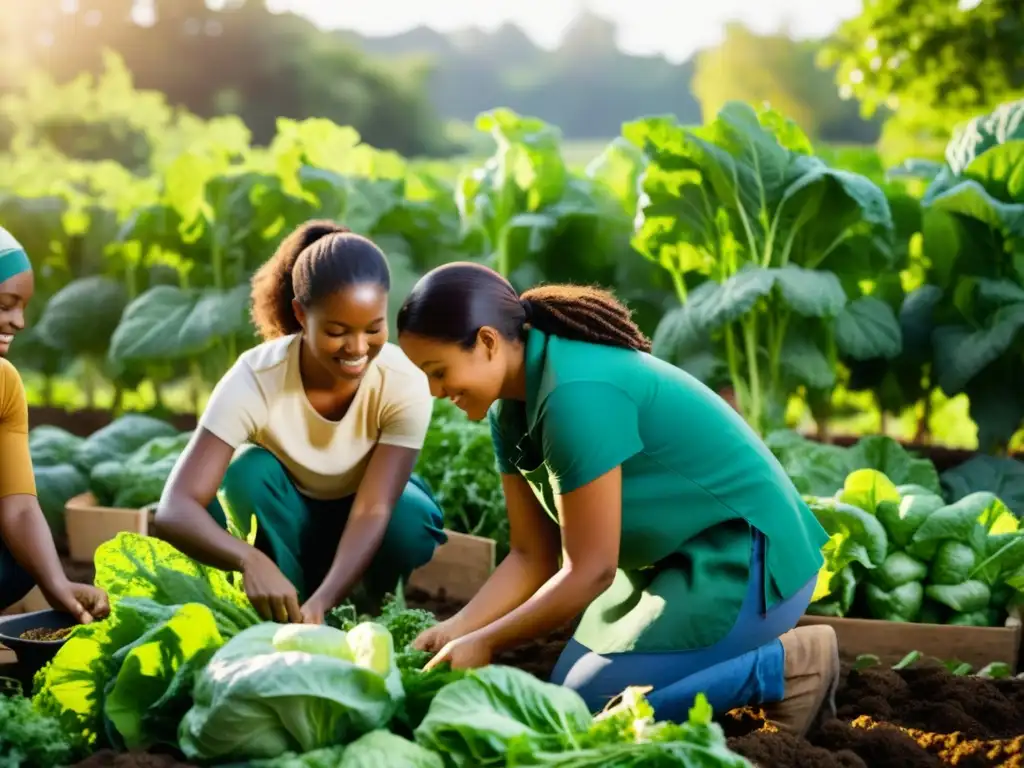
(908, 718)
(911, 718)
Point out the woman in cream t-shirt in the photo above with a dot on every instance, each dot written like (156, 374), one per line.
(311, 437)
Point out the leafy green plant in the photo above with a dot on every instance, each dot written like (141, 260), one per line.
(263, 694)
(767, 248)
(974, 242)
(30, 738)
(900, 553)
(820, 469)
(127, 680)
(457, 461)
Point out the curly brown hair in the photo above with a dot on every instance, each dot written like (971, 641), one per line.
(454, 301)
(319, 258)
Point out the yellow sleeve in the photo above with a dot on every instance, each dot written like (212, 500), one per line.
(15, 462)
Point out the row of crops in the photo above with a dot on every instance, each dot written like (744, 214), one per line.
(907, 543)
(756, 264)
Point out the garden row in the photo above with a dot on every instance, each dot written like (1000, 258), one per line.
(184, 670)
(184, 665)
(907, 544)
(756, 265)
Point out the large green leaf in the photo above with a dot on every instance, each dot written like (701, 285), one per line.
(81, 317)
(962, 353)
(971, 200)
(809, 292)
(867, 328)
(737, 296)
(999, 475)
(804, 361)
(171, 323)
(682, 338)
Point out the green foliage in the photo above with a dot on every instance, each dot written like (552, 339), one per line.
(30, 738)
(127, 680)
(903, 554)
(766, 246)
(457, 462)
(975, 246)
(935, 62)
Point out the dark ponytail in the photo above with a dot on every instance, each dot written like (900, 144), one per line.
(453, 302)
(319, 258)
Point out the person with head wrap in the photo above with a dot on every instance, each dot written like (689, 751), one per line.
(28, 556)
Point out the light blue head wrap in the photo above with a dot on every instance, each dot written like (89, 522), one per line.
(13, 259)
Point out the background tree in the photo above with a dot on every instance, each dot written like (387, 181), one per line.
(934, 62)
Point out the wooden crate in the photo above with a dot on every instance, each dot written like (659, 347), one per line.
(459, 567)
(891, 641)
(89, 525)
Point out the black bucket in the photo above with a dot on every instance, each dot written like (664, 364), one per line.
(33, 654)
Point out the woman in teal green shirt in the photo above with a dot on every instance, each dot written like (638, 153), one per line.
(636, 496)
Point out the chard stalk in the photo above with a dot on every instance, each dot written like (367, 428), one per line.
(749, 326)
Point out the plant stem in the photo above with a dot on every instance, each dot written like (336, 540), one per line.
(749, 325)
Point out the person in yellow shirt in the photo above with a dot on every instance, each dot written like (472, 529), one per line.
(314, 435)
(27, 553)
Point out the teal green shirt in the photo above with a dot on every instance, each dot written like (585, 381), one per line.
(695, 478)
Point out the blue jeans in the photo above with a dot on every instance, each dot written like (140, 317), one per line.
(743, 668)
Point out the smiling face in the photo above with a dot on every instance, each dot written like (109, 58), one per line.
(15, 293)
(345, 330)
(471, 378)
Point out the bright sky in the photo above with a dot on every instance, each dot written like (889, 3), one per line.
(675, 28)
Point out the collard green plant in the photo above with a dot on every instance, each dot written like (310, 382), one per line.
(767, 248)
(901, 553)
(974, 242)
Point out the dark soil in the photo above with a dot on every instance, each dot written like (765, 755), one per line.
(46, 635)
(915, 718)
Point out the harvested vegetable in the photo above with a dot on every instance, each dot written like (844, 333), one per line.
(473, 720)
(255, 701)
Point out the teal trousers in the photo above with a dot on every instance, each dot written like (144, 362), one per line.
(258, 501)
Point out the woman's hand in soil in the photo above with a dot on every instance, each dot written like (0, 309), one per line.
(467, 652)
(438, 636)
(83, 601)
(271, 594)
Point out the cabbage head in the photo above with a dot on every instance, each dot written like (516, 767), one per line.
(277, 688)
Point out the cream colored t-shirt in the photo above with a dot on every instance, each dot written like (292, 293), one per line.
(261, 400)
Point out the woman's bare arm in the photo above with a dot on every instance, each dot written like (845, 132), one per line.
(387, 474)
(534, 549)
(182, 518)
(591, 528)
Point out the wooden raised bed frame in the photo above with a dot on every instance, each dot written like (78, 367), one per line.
(89, 525)
(458, 568)
(890, 641)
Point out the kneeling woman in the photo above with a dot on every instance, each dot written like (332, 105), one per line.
(314, 435)
(636, 496)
